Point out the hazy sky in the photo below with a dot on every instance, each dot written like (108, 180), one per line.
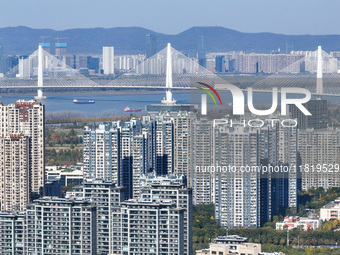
(174, 16)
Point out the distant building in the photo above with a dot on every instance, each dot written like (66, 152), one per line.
(46, 47)
(128, 62)
(331, 211)
(24, 68)
(108, 60)
(292, 222)
(220, 64)
(224, 245)
(7, 63)
(93, 63)
(318, 119)
(150, 45)
(318, 148)
(60, 49)
(242, 62)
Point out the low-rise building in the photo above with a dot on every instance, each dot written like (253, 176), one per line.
(65, 177)
(234, 244)
(331, 211)
(292, 222)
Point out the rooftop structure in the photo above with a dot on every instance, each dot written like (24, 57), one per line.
(224, 245)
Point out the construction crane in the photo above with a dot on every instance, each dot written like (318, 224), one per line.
(58, 38)
(43, 37)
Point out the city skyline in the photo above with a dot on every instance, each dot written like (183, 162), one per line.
(169, 169)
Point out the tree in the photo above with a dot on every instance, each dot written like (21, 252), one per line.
(55, 138)
(72, 133)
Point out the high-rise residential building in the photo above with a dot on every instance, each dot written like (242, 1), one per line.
(320, 153)
(46, 46)
(108, 60)
(102, 153)
(201, 51)
(150, 45)
(15, 170)
(236, 200)
(171, 189)
(259, 63)
(128, 131)
(109, 153)
(7, 63)
(146, 227)
(220, 64)
(61, 226)
(161, 145)
(184, 144)
(179, 138)
(105, 196)
(24, 68)
(60, 49)
(245, 193)
(203, 154)
(318, 118)
(155, 224)
(92, 63)
(22, 158)
(139, 161)
(12, 233)
(319, 111)
(128, 62)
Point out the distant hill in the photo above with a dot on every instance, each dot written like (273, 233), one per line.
(131, 40)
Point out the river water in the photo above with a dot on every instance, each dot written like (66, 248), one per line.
(106, 105)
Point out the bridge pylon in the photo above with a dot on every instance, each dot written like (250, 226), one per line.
(40, 94)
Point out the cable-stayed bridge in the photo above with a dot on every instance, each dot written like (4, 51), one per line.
(317, 71)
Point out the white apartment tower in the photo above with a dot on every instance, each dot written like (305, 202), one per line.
(150, 228)
(108, 60)
(101, 153)
(61, 226)
(236, 199)
(171, 188)
(22, 153)
(319, 151)
(245, 193)
(203, 153)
